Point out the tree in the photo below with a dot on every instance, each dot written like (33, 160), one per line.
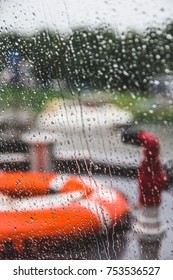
(45, 54)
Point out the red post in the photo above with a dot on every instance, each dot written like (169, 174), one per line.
(152, 179)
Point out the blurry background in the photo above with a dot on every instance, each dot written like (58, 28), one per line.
(49, 49)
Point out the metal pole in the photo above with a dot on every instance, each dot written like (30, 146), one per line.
(40, 146)
(149, 232)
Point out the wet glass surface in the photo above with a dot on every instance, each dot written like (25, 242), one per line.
(74, 77)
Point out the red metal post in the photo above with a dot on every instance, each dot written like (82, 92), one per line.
(152, 181)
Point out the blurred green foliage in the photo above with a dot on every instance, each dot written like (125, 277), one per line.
(144, 108)
(121, 64)
(97, 58)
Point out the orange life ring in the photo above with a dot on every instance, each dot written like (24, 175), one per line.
(70, 214)
(22, 184)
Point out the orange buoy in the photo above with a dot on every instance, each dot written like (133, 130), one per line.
(22, 184)
(61, 216)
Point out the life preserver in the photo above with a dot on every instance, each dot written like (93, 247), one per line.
(61, 216)
(22, 184)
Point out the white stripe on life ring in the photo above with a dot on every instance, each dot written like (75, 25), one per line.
(57, 182)
(42, 202)
(105, 195)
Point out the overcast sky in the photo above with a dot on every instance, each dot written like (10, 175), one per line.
(31, 15)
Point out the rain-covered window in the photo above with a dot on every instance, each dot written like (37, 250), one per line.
(86, 129)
